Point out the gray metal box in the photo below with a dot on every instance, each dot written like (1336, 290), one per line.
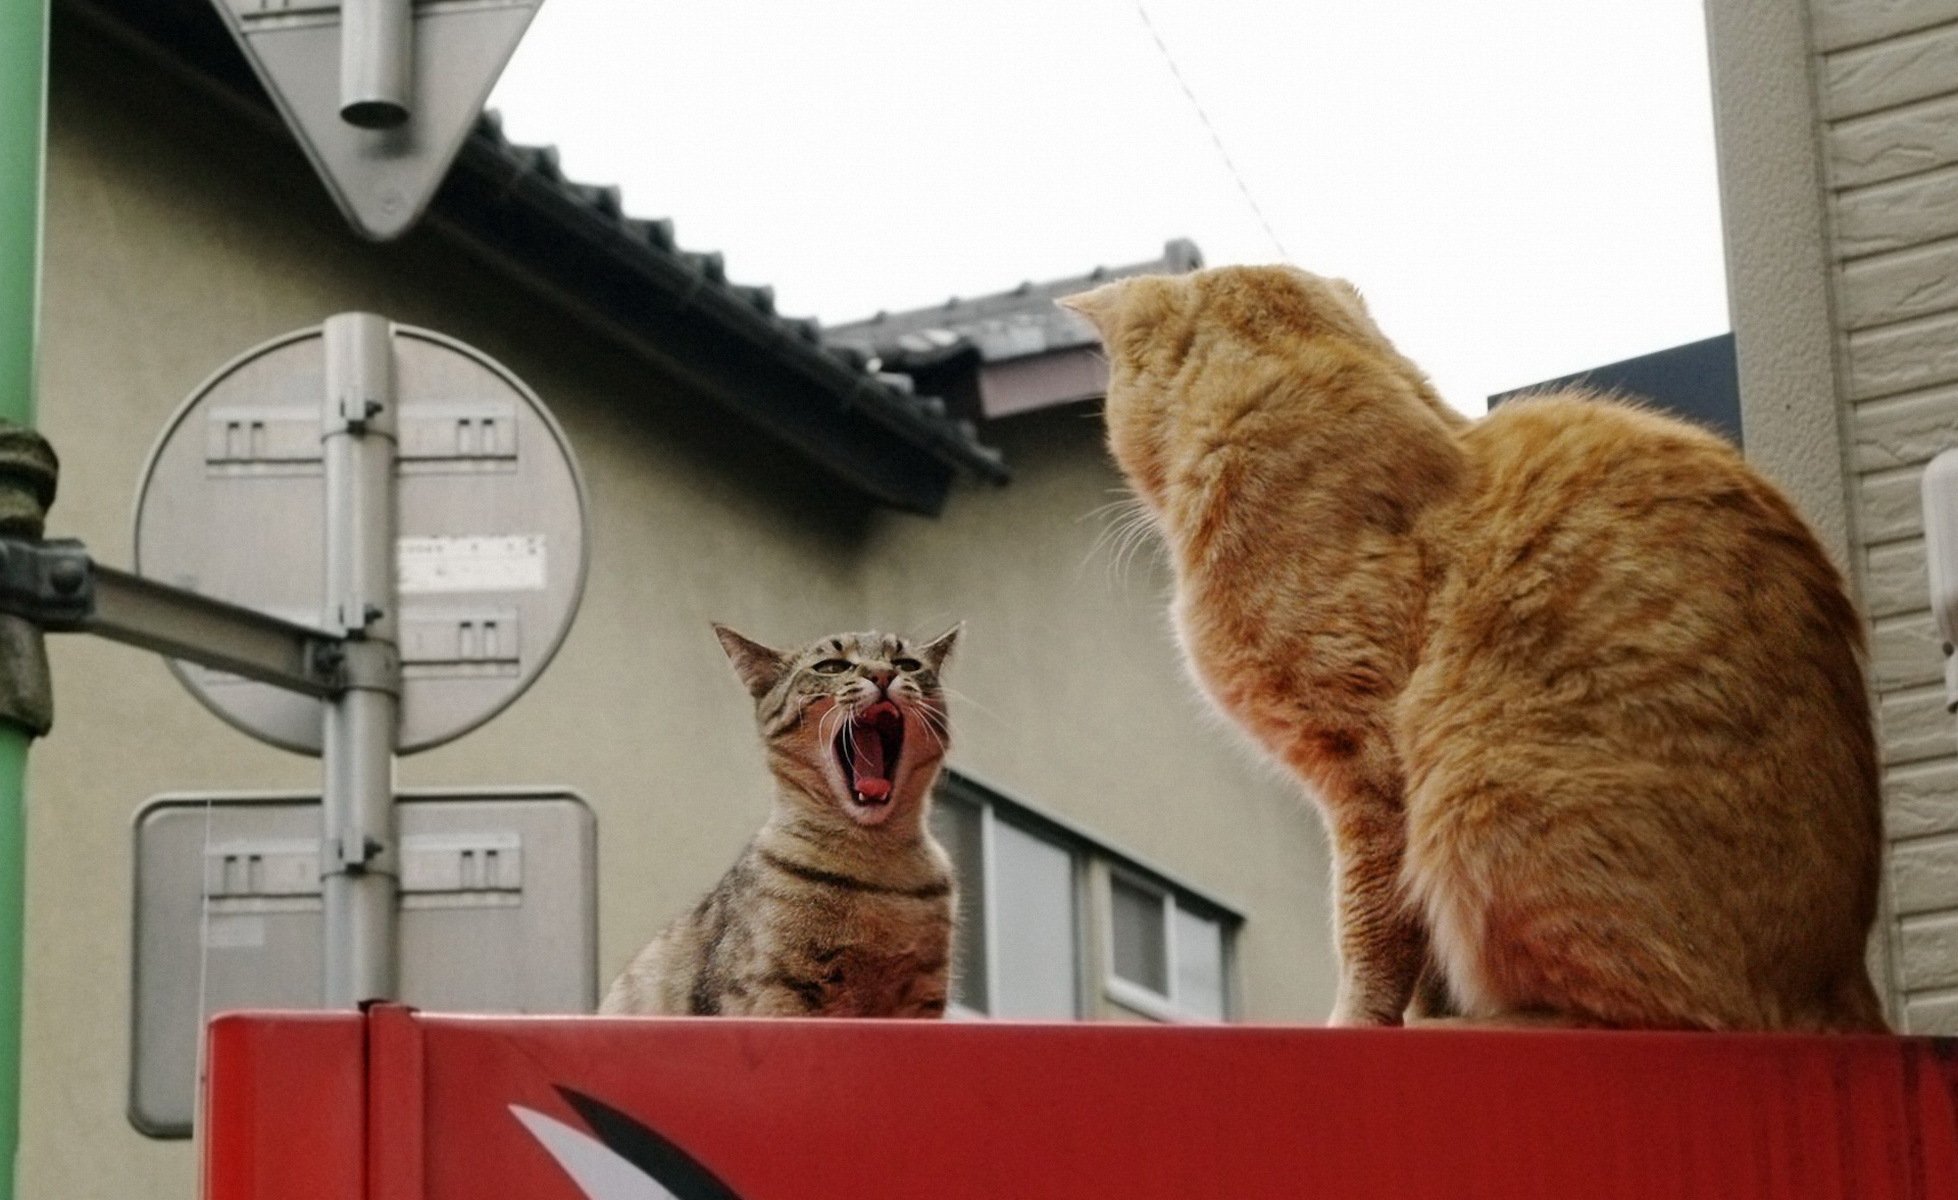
(498, 914)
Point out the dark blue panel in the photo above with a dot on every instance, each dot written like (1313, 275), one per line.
(1697, 381)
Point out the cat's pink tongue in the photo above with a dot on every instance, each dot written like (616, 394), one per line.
(867, 751)
(873, 791)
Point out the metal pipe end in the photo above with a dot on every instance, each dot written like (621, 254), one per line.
(374, 114)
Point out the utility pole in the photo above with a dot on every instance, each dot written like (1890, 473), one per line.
(26, 485)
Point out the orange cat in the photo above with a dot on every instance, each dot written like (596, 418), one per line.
(1578, 692)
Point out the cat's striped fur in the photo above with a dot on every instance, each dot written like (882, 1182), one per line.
(842, 904)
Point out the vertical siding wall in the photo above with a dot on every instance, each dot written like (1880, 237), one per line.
(1886, 75)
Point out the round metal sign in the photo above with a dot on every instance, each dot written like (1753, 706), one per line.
(489, 522)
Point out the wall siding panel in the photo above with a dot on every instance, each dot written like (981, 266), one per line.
(1891, 506)
(1936, 1015)
(1900, 285)
(1930, 951)
(1889, 73)
(1897, 215)
(1904, 431)
(1905, 652)
(1924, 876)
(1835, 24)
(1887, 116)
(1896, 142)
(1901, 358)
(1921, 800)
(1914, 727)
(1894, 579)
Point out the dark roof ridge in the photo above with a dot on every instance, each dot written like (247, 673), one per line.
(1016, 323)
(508, 200)
(700, 282)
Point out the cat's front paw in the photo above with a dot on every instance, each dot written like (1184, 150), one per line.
(1359, 1015)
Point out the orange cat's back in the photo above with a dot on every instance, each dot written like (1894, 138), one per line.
(1578, 693)
(1650, 678)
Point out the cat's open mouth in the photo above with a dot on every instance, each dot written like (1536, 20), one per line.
(868, 750)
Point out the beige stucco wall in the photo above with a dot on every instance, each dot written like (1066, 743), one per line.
(177, 237)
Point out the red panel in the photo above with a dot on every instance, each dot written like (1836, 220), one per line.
(815, 1110)
(395, 1105)
(284, 1107)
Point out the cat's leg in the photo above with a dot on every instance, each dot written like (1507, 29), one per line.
(925, 998)
(927, 989)
(1511, 1020)
(1432, 999)
(1382, 945)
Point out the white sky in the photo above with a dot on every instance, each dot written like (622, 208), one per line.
(1523, 188)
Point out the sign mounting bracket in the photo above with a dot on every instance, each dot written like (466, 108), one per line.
(57, 586)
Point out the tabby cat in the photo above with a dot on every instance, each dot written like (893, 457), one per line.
(842, 904)
(1579, 694)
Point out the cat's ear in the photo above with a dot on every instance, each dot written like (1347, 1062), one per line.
(759, 667)
(1102, 306)
(937, 650)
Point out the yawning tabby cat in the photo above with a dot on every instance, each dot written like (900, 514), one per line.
(842, 904)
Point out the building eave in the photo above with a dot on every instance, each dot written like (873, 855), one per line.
(512, 206)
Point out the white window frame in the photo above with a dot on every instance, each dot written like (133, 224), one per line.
(1095, 864)
(967, 791)
(1164, 1006)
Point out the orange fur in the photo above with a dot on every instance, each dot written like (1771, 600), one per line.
(1578, 692)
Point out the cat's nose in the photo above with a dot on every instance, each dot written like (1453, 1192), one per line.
(882, 676)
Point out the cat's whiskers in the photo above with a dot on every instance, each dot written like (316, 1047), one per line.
(935, 724)
(965, 701)
(835, 721)
(1122, 536)
(1138, 529)
(1116, 513)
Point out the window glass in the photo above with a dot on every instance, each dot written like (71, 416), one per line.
(1034, 926)
(1018, 950)
(1136, 915)
(1199, 965)
(956, 825)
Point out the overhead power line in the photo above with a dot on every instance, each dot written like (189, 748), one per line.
(1216, 140)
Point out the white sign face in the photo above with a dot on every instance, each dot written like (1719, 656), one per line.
(426, 565)
(490, 535)
(445, 62)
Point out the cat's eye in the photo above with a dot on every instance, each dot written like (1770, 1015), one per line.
(907, 664)
(831, 666)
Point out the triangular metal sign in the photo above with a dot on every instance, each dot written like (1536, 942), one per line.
(380, 93)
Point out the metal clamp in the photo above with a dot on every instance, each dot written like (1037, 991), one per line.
(369, 666)
(47, 583)
(28, 473)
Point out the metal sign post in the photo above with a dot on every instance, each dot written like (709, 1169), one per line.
(361, 863)
(376, 62)
(415, 502)
(357, 540)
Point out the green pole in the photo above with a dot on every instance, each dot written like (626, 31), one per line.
(23, 98)
(13, 832)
